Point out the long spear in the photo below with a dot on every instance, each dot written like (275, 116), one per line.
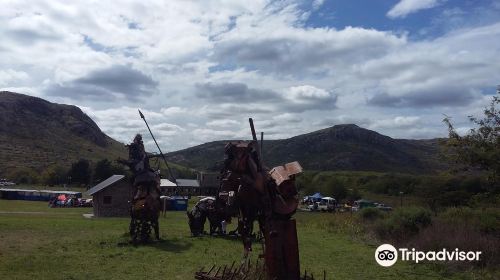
(162, 155)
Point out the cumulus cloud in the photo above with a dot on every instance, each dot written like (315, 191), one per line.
(234, 93)
(223, 123)
(296, 98)
(220, 62)
(307, 97)
(171, 111)
(114, 82)
(295, 51)
(9, 76)
(406, 7)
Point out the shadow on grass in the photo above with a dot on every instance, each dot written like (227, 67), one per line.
(230, 237)
(170, 245)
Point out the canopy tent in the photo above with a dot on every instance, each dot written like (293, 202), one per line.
(313, 198)
(316, 196)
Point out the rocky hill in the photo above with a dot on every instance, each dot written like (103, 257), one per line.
(35, 134)
(341, 147)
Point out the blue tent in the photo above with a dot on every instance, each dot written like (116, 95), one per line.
(316, 196)
(313, 198)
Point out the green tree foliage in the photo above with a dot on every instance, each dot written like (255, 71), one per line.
(404, 223)
(480, 148)
(336, 188)
(104, 169)
(23, 175)
(54, 175)
(80, 172)
(353, 194)
(392, 184)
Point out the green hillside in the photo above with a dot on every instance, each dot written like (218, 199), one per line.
(341, 147)
(35, 134)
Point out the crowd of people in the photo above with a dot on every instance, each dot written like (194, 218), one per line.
(63, 200)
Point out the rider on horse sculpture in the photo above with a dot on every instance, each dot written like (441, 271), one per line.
(146, 204)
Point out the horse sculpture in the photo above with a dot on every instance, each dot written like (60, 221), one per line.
(145, 205)
(250, 191)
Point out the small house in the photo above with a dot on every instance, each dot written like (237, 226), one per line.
(111, 197)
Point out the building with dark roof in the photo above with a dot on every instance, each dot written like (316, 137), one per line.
(111, 197)
(205, 184)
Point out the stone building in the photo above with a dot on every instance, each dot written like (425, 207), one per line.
(111, 197)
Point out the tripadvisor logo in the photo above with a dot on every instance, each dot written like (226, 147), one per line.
(387, 255)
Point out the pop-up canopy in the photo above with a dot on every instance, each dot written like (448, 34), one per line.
(316, 196)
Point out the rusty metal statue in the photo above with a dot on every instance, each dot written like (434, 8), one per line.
(205, 210)
(145, 205)
(252, 192)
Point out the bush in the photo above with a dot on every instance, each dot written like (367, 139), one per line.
(462, 236)
(484, 220)
(403, 223)
(23, 175)
(371, 214)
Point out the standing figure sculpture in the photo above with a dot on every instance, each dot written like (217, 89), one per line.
(145, 205)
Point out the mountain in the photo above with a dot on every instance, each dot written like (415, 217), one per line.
(35, 134)
(341, 147)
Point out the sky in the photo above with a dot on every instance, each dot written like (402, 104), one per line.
(199, 69)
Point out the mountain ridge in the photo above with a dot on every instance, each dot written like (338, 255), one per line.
(340, 147)
(36, 134)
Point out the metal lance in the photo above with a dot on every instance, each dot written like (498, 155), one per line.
(162, 155)
(257, 148)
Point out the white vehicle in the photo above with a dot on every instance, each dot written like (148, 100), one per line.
(327, 204)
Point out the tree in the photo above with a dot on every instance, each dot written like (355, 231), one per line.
(334, 187)
(353, 194)
(54, 175)
(480, 148)
(23, 175)
(104, 169)
(80, 172)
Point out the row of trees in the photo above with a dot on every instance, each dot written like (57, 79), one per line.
(81, 172)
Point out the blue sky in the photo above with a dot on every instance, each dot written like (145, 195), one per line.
(199, 69)
(422, 23)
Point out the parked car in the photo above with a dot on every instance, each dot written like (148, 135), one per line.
(313, 206)
(383, 207)
(327, 204)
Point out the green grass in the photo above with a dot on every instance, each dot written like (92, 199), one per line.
(60, 243)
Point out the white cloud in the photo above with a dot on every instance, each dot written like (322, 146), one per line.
(223, 123)
(406, 7)
(10, 76)
(396, 122)
(307, 92)
(261, 59)
(171, 111)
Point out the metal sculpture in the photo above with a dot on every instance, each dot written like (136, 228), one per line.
(251, 192)
(201, 211)
(145, 205)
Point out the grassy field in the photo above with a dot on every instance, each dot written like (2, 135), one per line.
(37, 242)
